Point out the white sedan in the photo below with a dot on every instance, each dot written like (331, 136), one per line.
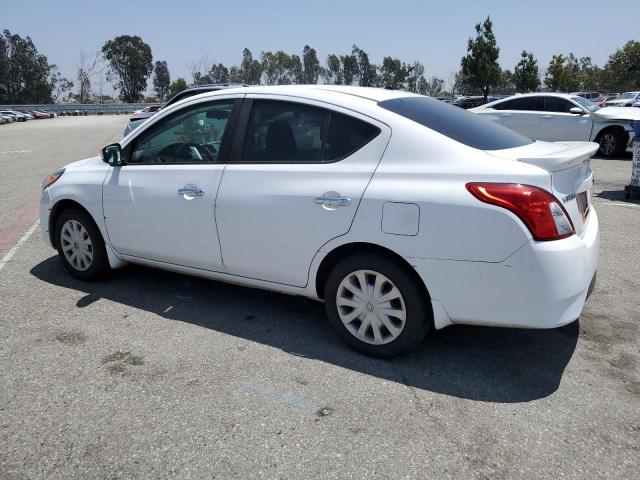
(402, 213)
(564, 117)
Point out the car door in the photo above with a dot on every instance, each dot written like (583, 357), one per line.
(294, 182)
(557, 123)
(522, 115)
(160, 205)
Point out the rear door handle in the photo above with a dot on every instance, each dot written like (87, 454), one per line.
(191, 191)
(332, 200)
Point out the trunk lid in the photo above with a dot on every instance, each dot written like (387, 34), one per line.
(569, 164)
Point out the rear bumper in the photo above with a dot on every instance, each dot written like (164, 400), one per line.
(542, 285)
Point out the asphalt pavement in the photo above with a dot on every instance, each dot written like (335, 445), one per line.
(150, 374)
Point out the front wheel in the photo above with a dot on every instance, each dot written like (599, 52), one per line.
(80, 245)
(377, 306)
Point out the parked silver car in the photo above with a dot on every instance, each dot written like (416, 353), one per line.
(555, 117)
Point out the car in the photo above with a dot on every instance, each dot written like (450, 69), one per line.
(5, 119)
(17, 116)
(565, 117)
(626, 99)
(587, 95)
(468, 102)
(599, 101)
(403, 214)
(135, 121)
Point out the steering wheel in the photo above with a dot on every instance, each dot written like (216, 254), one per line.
(184, 151)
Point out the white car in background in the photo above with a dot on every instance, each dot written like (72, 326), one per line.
(402, 213)
(555, 117)
(627, 99)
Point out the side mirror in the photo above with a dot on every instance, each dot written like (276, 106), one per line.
(576, 111)
(112, 154)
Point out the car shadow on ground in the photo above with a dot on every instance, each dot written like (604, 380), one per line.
(618, 196)
(478, 363)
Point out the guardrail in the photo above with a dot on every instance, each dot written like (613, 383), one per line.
(82, 109)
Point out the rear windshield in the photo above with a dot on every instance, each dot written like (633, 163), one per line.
(458, 124)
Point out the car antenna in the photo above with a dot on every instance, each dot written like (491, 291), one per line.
(399, 79)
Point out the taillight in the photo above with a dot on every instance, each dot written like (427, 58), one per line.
(538, 209)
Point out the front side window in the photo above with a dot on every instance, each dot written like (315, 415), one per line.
(558, 105)
(284, 132)
(191, 135)
(531, 104)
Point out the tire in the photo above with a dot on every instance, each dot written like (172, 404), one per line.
(77, 234)
(395, 336)
(612, 144)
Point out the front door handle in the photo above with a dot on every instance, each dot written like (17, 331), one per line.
(547, 116)
(190, 191)
(505, 114)
(332, 200)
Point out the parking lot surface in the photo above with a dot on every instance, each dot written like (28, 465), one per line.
(150, 374)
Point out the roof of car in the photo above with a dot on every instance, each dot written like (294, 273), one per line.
(367, 93)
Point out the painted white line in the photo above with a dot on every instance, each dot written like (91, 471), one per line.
(9, 255)
(618, 204)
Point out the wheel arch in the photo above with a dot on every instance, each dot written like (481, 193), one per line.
(59, 207)
(337, 254)
(617, 127)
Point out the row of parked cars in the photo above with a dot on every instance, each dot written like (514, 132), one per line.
(626, 99)
(10, 116)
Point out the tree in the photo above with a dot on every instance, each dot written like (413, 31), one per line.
(333, 72)
(177, 86)
(251, 70)
(219, 73)
(130, 64)
(433, 86)
(390, 71)
(480, 65)
(563, 73)
(161, 80)
(278, 68)
(24, 72)
(622, 71)
(60, 87)
(526, 77)
(87, 69)
(365, 72)
(311, 66)
(349, 68)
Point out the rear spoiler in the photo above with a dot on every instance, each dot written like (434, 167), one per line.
(574, 154)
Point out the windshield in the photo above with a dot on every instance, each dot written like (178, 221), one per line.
(586, 104)
(627, 96)
(458, 124)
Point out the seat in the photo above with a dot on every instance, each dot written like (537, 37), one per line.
(280, 144)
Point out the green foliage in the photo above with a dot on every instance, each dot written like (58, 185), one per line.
(333, 72)
(161, 80)
(177, 86)
(622, 71)
(250, 69)
(526, 77)
(480, 66)
(130, 64)
(25, 74)
(311, 66)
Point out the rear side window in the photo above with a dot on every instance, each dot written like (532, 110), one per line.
(284, 132)
(465, 127)
(532, 104)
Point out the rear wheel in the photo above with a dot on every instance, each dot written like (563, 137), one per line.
(80, 245)
(376, 306)
(612, 143)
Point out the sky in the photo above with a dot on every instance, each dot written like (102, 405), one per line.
(433, 33)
